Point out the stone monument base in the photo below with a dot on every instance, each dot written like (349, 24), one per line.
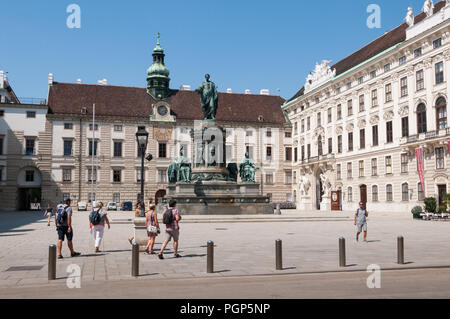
(325, 205)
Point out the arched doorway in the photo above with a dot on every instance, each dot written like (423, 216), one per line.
(363, 191)
(160, 195)
(29, 193)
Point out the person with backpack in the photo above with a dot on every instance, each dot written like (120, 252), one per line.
(97, 219)
(63, 220)
(152, 225)
(171, 218)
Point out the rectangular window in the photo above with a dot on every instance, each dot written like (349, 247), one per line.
(420, 195)
(375, 135)
(388, 165)
(439, 72)
(404, 161)
(330, 115)
(138, 175)
(288, 154)
(308, 124)
(338, 172)
(361, 168)
(387, 67)
(374, 167)
(1, 145)
(437, 43)
(389, 132)
(405, 192)
(91, 197)
(162, 150)
(302, 127)
(340, 144)
(162, 176)
(349, 85)
(31, 114)
(389, 195)
(229, 151)
(349, 170)
(116, 198)
(330, 145)
(362, 139)
(350, 194)
(269, 133)
(288, 178)
(93, 127)
(93, 148)
(268, 153)
(402, 60)
(269, 179)
(350, 141)
(362, 107)
(68, 126)
(117, 149)
(319, 119)
(374, 98)
(360, 80)
(405, 127)
(309, 150)
(29, 146)
(288, 135)
(29, 176)
(440, 158)
(118, 128)
(420, 83)
(374, 193)
(373, 74)
(67, 175)
(417, 52)
(339, 112)
(303, 153)
(92, 174)
(117, 175)
(404, 87)
(350, 107)
(338, 90)
(388, 92)
(67, 147)
(249, 150)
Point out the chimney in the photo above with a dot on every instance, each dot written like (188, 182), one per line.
(185, 87)
(264, 92)
(50, 79)
(79, 81)
(229, 91)
(248, 91)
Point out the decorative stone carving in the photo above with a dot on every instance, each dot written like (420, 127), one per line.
(318, 132)
(403, 110)
(339, 130)
(389, 115)
(326, 184)
(374, 120)
(350, 127)
(428, 7)
(410, 17)
(362, 123)
(321, 74)
(305, 185)
(162, 134)
(302, 141)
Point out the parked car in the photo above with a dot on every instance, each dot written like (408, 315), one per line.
(82, 206)
(112, 206)
(127, 206)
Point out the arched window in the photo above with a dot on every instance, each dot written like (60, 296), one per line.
(441, 113)
(374, 193)
(405, 192)
(389, 196)
(421, 118)
(319, 145)
(350, 194)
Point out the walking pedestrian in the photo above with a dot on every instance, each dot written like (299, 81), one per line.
(49, 213)
(171, 219)
(97, 220)
(63, 221)
(152, 225)
(361, 221)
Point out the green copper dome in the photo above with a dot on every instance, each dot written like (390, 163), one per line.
(158, 74)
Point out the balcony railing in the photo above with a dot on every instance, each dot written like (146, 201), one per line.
(426, 136)
(32, 101)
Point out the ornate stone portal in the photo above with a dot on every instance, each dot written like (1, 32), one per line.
(212, 187)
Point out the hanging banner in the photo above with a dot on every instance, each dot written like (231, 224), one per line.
(420, 168)
(448, 146)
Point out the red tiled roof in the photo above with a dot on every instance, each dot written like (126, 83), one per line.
(132, 102)
(381, 44)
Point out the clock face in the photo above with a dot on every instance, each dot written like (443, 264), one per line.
(162, 110)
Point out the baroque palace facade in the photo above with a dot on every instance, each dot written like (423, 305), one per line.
(358, 124)
(85, 147)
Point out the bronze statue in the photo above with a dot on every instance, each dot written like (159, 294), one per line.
(209, 98)
(247, 170)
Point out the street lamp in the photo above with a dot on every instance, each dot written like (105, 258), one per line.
(142, 140)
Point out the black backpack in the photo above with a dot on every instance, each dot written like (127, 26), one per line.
(61, 215)
(94, 217)
(168, 217)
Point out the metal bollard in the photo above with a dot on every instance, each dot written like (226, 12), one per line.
(279, 254)
(52, 262)
(342, 262)
(135, 260)
(400, 250)
(210, 257)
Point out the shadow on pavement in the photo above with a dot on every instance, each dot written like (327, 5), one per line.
(9, 221)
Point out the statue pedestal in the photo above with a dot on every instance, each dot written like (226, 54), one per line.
(140, 232)
(305, 204)
(325, 205)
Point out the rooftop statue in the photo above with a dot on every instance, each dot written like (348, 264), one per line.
(209, 98)
(410, 17)
(247, 170)
(428, 7)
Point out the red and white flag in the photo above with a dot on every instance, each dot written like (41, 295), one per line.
(420, 168)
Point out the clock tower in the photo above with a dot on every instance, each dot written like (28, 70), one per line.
(158, 75)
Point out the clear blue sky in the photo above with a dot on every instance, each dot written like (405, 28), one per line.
(243, 44)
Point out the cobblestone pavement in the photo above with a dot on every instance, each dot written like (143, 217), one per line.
(310, 244)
